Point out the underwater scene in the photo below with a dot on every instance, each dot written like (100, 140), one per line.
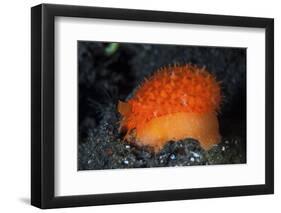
(158, 105)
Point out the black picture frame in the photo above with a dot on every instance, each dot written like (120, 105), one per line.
(43, 117)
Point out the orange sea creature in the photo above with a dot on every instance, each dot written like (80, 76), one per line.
(176, 102)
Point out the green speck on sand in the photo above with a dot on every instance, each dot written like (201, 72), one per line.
(111, 48)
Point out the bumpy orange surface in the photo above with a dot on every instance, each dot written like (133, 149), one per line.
(176, 102)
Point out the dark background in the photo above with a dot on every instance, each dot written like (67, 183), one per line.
(109, 72)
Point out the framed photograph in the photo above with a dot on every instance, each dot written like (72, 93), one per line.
(140, 106)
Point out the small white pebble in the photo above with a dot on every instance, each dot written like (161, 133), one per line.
(127, 146)
(196, 155)
(173, 157)
(192, 159)
(126, 162)
(223, 148)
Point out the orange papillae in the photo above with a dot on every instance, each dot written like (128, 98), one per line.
(176, 102)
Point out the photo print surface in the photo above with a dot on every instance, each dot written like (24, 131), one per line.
(159, 105)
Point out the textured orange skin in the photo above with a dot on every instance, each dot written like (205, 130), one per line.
(174, 103)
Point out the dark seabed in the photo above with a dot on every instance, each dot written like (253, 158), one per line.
(109, 72)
